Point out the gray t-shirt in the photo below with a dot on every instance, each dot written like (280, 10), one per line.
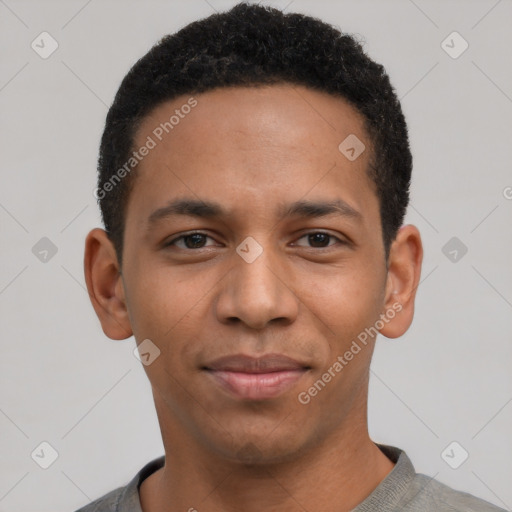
(403, 489)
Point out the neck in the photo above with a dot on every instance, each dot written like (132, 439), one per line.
(335, 474)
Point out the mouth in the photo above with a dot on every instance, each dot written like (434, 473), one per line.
(251, 378)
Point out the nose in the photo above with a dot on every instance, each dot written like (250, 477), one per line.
(257, 293)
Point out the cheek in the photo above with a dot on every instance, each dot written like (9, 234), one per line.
(344, 300)
(166, 315)
(161, 300)
(172, 310)
(344, 308)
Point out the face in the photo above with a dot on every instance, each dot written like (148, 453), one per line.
(253, 259)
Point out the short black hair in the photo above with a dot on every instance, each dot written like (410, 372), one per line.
(252, 45)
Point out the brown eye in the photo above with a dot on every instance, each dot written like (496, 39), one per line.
(194, 241)
(190, 241)
(319, 240)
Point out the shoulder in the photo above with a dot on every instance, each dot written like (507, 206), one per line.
(405, 490)
(425, 493)
(125, 499)
(107, 503)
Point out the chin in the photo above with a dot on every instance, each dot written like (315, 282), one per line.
(263, 448)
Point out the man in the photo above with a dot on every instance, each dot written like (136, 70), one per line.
(253, 179)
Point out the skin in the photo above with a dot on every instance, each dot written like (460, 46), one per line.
(252, 150)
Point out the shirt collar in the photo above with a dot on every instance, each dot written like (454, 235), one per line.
(384, 498)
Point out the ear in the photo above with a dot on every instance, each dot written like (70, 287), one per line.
(404, 269)
(105, 285)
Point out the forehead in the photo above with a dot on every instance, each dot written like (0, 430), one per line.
(257, 111)
(248, 145)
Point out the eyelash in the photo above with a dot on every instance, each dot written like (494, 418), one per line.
(182, 237)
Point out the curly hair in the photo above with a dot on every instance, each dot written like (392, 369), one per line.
(253, 45)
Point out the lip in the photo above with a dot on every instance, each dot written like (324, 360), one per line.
(256, 378)
(248, 364)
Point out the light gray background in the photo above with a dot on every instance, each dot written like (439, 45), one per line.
(62, 381)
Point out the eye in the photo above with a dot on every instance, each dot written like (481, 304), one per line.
(195, 240)
(319, 239)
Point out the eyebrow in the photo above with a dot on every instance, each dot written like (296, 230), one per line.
(211, 210)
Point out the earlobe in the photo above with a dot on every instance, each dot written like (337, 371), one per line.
(404, 270)
(105, 286)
